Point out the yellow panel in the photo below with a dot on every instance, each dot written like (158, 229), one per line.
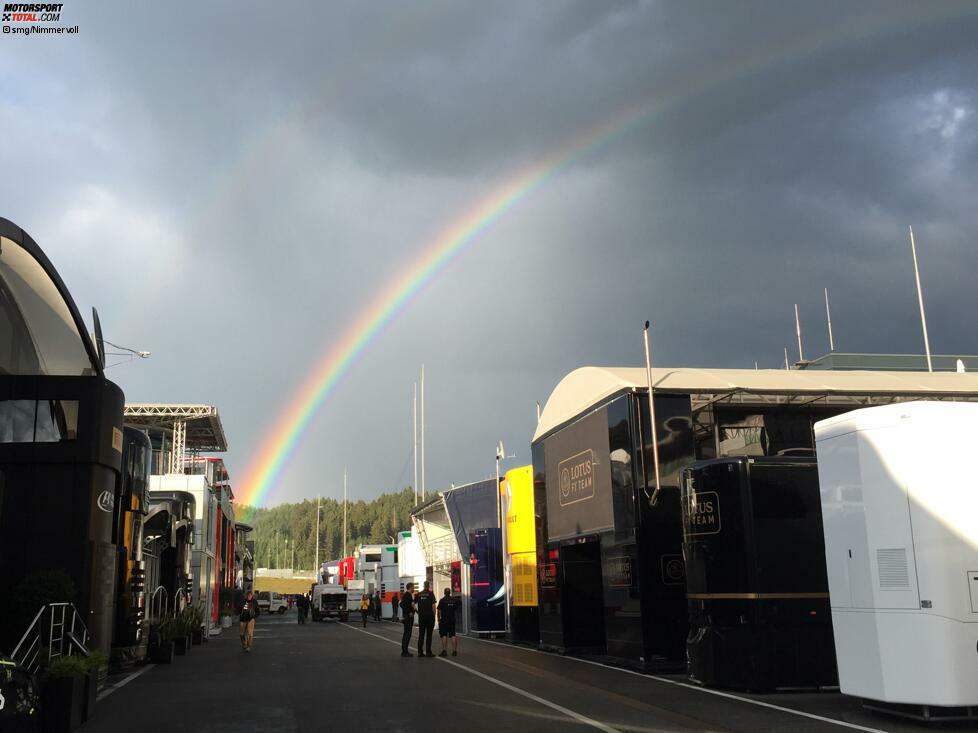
(520, 519)
(525, 579)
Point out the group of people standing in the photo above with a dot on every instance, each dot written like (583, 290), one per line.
(428, 608)
(370, 606)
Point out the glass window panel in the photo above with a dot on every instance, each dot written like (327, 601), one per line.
(47, 429)
(37, 332)
(17, 421)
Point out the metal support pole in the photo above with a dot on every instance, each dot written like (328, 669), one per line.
(655, 438)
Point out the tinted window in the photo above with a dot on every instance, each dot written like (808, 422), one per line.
(46, 421)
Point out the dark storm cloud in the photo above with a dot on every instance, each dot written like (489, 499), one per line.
(232, 185)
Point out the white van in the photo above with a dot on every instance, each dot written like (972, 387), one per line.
(271, 602)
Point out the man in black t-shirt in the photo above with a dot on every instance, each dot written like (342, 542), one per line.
(395, 601)
(446, 623)
(407, 614)
(426, 620)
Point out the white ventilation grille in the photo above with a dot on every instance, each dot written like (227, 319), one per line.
(894, 574)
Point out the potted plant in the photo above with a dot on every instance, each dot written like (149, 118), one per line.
(226, 604)
(181, 634)
(96, 665)
(161, 640)
(197, 624)
(63, 694)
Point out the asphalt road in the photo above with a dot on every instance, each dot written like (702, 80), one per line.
(332, 676)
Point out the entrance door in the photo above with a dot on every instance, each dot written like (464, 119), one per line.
(582, 596)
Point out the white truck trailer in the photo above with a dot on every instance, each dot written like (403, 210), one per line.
(900, 513)
(329, 601)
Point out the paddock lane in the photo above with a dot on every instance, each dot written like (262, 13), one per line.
(329, 676)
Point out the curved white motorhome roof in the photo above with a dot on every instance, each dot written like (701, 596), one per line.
(588, 387)
(869, 418)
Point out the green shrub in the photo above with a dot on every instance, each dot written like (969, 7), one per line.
(75, 664)
(167, 628)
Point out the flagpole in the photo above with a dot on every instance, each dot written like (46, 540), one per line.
(318, 508)
(344, 512)
(801, 355)
(422, 435)
(920, 300)
(828, 317)
(414, 416)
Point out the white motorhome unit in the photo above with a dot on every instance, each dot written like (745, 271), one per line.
(411, 566)
(211, 509)
(900, 513)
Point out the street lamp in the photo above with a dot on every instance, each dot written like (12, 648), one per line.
(125, 350)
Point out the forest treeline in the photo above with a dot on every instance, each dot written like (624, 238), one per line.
(287, 527)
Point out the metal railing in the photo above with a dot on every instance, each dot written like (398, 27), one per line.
(63, 635)
(158, 603)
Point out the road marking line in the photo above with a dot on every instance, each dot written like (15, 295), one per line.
(696, 688)
(124, 681)
(529, 695)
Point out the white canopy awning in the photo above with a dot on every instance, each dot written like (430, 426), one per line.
(588, 387)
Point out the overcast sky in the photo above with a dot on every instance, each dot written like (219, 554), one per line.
(230, 183)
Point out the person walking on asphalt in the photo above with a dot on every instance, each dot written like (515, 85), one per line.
(395, 599)
(407, 613)
(426, 620)
(378, 607)
(300, 607)
(246, 620)
(446, 623)
(364, 609)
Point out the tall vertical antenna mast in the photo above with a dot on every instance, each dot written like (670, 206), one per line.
(801, 355)
(655, 437)
(920, 300)
(422, 435)
(414, 415)
(828, 317)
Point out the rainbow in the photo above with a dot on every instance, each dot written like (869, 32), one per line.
(281, 441)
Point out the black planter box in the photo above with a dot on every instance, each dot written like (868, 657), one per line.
(180, 645)
(198, 636)
(162, 653)
(91, 695)
(62, 703)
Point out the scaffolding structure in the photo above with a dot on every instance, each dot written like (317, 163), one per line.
(189, 429)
